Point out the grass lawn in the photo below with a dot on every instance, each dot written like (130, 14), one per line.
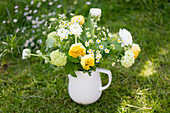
(32, 86)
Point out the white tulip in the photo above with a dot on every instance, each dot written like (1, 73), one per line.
(126, 37)
(95, 12)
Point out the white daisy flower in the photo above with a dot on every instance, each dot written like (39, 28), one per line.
(101, 46)
(44, 32)
(61, 38)
(90, 41)
(87, 28)
(39, 4)
(89, 35)
(103, 39)
(52, 19)
(98, 56)
(99, 28)
(113, 63)
(90, 51)
(110, 35)
(119, 41)
(31, 39)
(113, 46)
(86, 44)
(97, 61)
(98, 51)
(106, 51)
(98, 41)
(72, 14)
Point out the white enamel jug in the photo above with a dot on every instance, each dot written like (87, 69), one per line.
(85, 89)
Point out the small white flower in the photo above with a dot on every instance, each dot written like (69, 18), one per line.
(52, 19)
(72, 14)
(113, 63)
(8, 21)
(31, 39)
(25, 13)
(15, 20)
(126, 37)
(101, 46)
(32, 44)
(87, 28)
(16, 7)
(97, 51)
(39, 41)
(26, 9)
(26, 53)
(44, 0)
(89, 35)
(97, 61)
(17, 30)
(26, 44)
(90, 51)
(53, 13)
(59, 6)
(30, 11)
(106, 51)
(88, 3)
(95, 12)
(39, 52)
(44, 32)
(4, 22)
(113, 46)
(35, 11)
(39, 4)
(98, 41)
(50, 3)
(98, 56)
(86, 44)
(32, 2)
(119, 41)
(90, 41)
(99, 28)
(16, 10)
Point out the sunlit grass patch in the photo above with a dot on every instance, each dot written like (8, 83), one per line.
(148, 69)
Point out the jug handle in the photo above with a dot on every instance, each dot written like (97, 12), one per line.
(110, 77)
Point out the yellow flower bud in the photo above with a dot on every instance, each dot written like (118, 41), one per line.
(78, 17)
(77, 50)
(87, 61)
(136, 49)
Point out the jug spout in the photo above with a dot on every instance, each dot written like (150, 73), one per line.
(70, 76)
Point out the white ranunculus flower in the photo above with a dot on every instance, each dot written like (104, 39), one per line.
(95, 12)
(26, 53)
(126, 37)
(76, 29)
(58, 58)
(128, 59)
(63, 32)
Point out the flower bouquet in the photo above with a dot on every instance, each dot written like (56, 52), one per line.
(83, 48)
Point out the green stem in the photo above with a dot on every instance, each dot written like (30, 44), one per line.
(76, 40)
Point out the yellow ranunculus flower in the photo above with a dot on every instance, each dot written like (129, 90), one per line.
(77, 50)
(78, 17)
(136, 49)
(87, 61)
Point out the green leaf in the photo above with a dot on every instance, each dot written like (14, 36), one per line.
(75, 60)
(117, 46)
(50, 42)
(69, 68)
